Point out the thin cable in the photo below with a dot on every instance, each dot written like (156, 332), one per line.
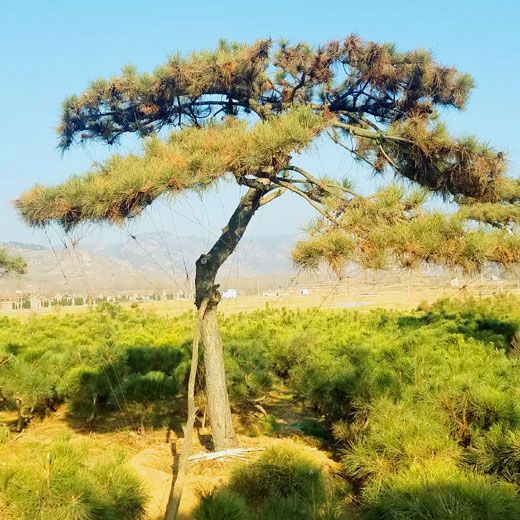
(57, 260)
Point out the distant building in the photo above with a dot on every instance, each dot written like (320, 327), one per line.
(455, 282)
(230, 293)
(304, 292)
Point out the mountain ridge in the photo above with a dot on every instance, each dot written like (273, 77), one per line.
(148, 260)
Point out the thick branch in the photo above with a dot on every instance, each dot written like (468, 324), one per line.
(209, 264)
(367, 134)
(271, 196)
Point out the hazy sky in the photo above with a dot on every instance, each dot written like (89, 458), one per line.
(50, 49)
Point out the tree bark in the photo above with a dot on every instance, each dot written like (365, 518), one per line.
(207, 266)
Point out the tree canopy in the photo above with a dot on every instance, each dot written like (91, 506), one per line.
(246, 111)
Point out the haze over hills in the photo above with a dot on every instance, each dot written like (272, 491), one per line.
(162, 262)
(150, 261)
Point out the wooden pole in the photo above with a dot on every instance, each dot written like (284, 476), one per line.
(176, 489)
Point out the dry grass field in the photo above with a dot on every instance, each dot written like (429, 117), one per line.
(377, 293)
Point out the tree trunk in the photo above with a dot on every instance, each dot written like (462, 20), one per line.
(219, 410)
(207, 298)
(207, 268)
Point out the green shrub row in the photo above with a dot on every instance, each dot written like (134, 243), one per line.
(108, 358)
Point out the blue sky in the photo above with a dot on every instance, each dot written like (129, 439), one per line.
(51, 49)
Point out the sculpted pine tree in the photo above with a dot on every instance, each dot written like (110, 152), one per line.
(244, 112)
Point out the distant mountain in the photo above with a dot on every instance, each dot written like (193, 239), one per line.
(151, 260)
(22, 245)
(151, 251)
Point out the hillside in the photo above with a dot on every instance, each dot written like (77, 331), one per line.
(149, 261)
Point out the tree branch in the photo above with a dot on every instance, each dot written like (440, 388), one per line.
(273, 195)
(367, 134)
(324, 185)
(343, 145)
(302, 194)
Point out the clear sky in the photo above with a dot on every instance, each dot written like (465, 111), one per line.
(50, 49)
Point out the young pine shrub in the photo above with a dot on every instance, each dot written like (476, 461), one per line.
(67, 481)
(280, 473)
(341, 380)
(86, 388)
(440, 491)
(475, 408)
(221, 504)
(249, 379)
(28, 386)
(282, 483)
(398, 436)
(497, 452)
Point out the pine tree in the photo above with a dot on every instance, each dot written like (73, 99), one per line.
(244, 112)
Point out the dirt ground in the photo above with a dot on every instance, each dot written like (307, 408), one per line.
(151, 453)
(153, 467)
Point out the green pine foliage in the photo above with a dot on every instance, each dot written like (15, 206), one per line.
(10, 264)
(395, 226)
(441, 492)
(68, 480)
(244, 112)
(221, 504)
(280, 473)
(192, 159)
(281, 483)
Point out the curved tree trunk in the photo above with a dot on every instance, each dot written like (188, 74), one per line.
(223, 432)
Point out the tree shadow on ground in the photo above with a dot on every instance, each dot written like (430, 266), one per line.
(485, 328)
(281, 414)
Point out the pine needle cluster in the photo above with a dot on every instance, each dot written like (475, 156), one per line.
(11, 264)
(192, 159)
(393, 225)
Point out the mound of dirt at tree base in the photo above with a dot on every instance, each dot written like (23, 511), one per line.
(153, 466)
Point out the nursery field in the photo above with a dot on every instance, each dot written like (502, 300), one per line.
(338, 294)
(360, 414)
